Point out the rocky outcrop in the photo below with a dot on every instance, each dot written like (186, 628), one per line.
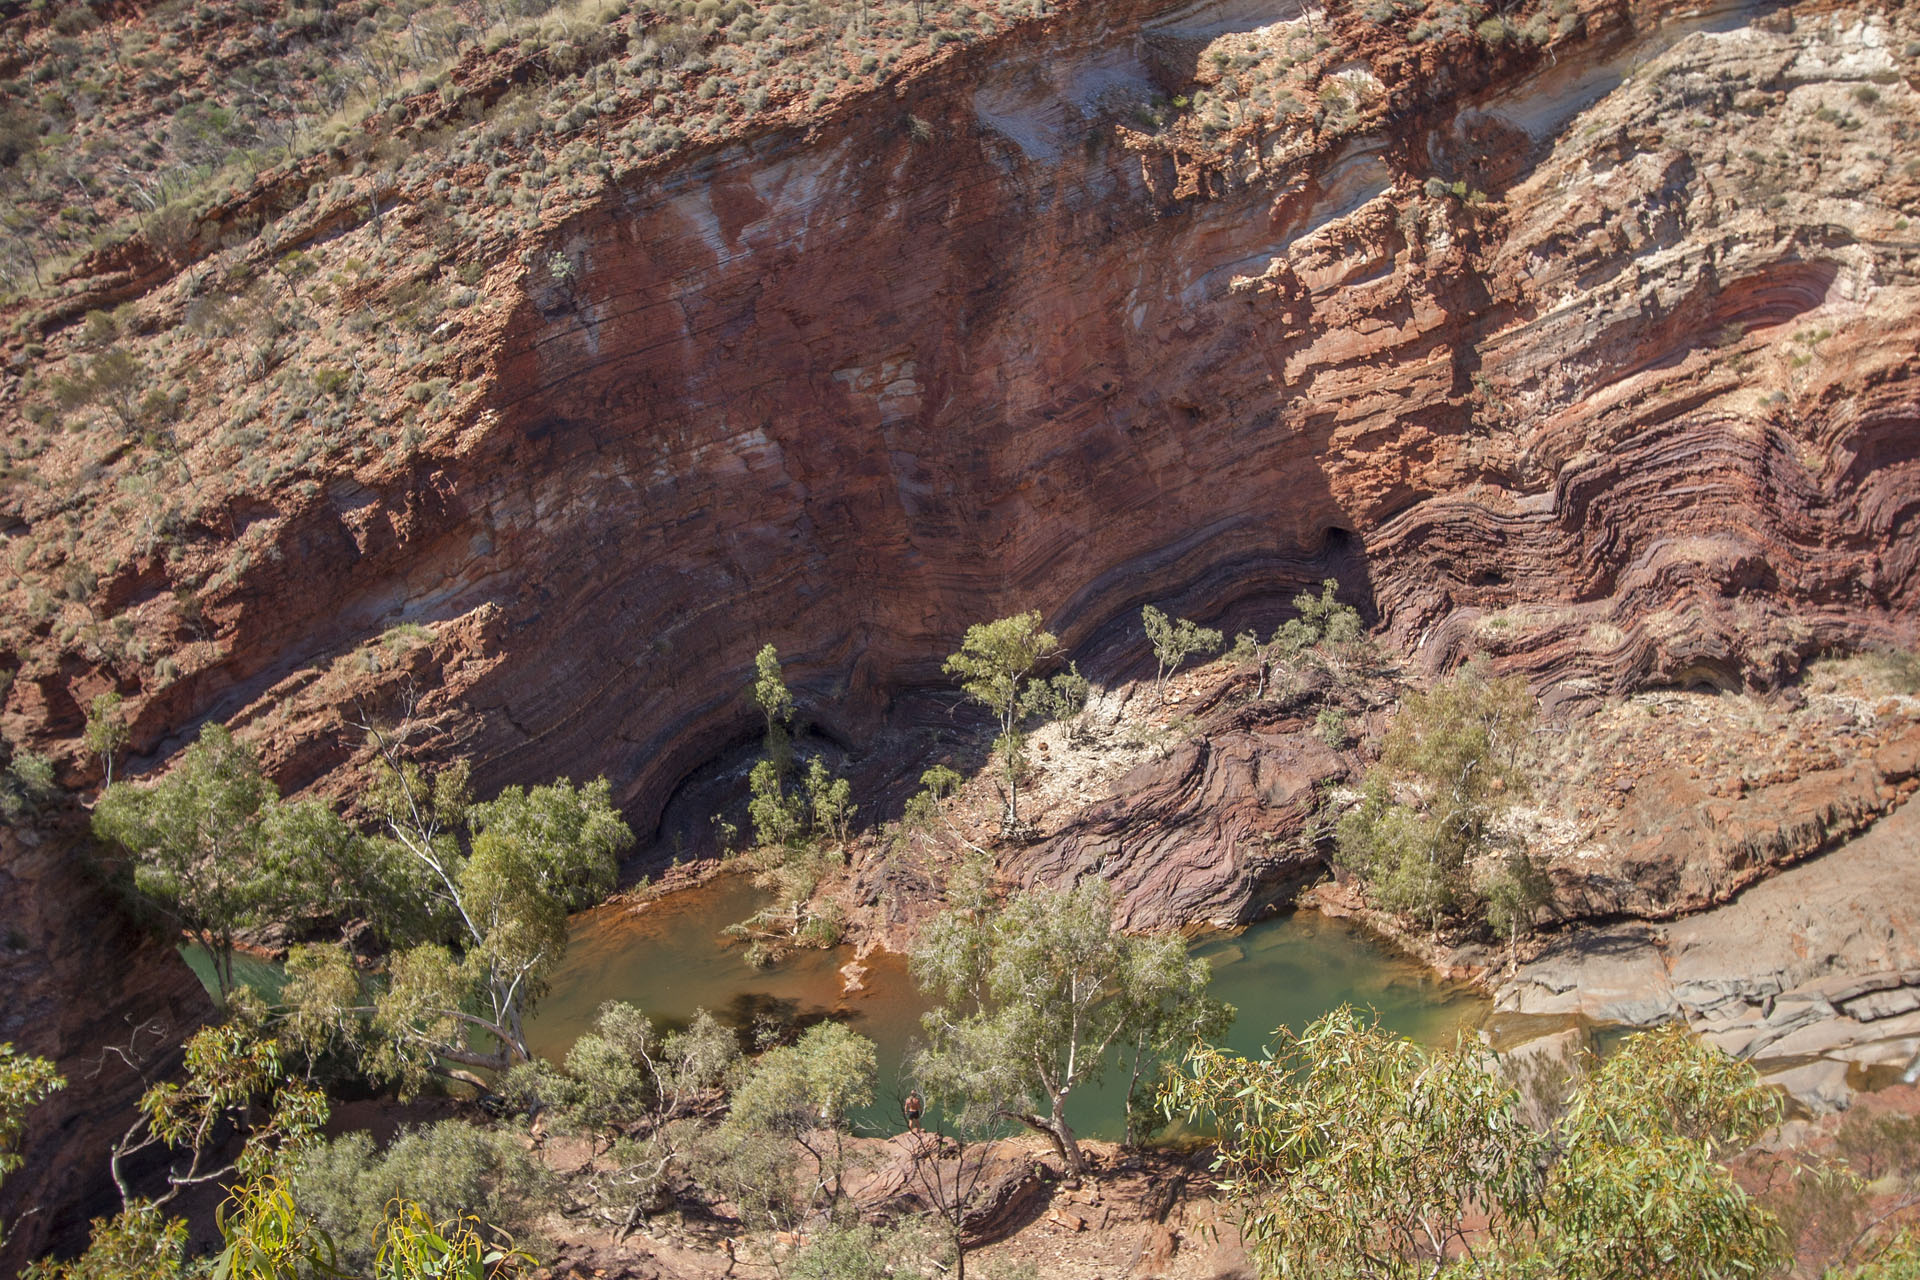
(1814, 974)
(1687, 839)
(100, 997)
(1211, 832)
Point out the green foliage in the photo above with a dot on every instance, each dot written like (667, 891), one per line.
(996, 662)
(830, 801)
(862, 1251)
(106, 731)
(781, 1153)
(1034, 999)
(995, 667)
(1323, 623)
(1325, 631)
(627, 1083)
(139, 1243)
(26, 783)
(1330, 726)
(1845, 1214)
(1455, 753)
(417, 1247)
(266, 1237)
(1511, 893)
(1638, 1189)
(778, 818)
(821, 807)
(443, 1172)
(205, 850)
(1353, 1153)
(805, 1094)
(625, 1071)
(924, 805)
(233, 1080)
(940, 782)
(25, 1082)
(114, 379)
(1899, 1259)
(475, 898)
(776, 704)
(1174, 640)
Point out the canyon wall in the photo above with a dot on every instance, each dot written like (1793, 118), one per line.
(1594, 354)
(847, 392)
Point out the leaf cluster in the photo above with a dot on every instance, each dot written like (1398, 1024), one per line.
(25, 1082)
(352, 1191)
(1323, 631)
(1174, 640)
(1034, 998)
(996, 668)
(1353, 1153)
(216, 850)
(1452, 762)
(475, 897)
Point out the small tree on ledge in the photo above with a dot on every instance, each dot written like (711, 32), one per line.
(995, 667)
(1175, 640)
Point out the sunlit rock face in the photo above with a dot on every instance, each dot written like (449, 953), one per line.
(1594, 354)
(1641, 412)
(1591, 350)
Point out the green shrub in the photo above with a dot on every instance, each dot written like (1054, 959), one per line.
(451, 1168)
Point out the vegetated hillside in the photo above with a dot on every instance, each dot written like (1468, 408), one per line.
(550, 362)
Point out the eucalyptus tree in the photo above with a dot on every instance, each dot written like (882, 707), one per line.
(1174, 640)
(474, 898)
(1321, 629)
(1453, 761)
(1035, 999)
(995, 666)
(216, 851)
(1351, 1153)
(25, 1082)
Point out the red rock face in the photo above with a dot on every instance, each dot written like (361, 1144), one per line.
(81, 982)
(1643, 412)
(848, 393)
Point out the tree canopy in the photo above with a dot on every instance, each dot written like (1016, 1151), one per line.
(1353, 1154)
(1174, 640)
(1038, 995)
(475, 899)
(1452, 763)
(995, 667)
(215, 849)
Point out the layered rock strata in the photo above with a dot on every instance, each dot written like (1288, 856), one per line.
(1639, 393)
(1814, 975)
(1597, 355)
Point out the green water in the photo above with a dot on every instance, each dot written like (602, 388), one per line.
(263, 976)
(671, 960)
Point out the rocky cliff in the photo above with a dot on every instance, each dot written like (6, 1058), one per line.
(1582, 335)
(1643, 413)
(1595, 353)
